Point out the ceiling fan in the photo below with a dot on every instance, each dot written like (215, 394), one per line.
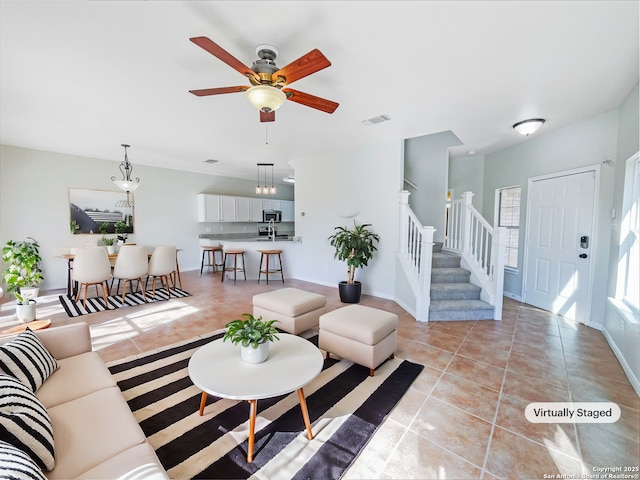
(268, 91)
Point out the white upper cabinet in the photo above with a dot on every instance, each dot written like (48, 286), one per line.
(228, 208)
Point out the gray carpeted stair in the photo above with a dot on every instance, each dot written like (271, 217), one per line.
(452, 296)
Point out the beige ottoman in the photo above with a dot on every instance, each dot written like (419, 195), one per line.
(366, 336)
(296, 310)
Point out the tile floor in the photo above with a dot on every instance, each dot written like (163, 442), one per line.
(464, 415)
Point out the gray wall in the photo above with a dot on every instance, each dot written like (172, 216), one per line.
(466, 175)
(34, 201)
(581, 144)
(426, 164)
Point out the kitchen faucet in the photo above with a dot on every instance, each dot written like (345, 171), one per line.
(272, 230)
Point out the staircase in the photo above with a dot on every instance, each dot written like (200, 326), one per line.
(452, 296)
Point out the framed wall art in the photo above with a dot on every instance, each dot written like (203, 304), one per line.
(89, 209)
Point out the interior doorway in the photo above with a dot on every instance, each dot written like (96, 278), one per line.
(560, 226)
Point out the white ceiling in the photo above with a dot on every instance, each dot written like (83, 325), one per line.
(82, 77)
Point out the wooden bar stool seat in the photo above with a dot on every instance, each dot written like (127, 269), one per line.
(265, 255)
(210, 252)
(233, 268)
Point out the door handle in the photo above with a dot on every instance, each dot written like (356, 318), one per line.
(583, 255)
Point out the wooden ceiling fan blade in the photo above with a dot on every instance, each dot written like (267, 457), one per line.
(220, 53)
(267, 117)
(311, 100)
(218, 91)
(300, 68)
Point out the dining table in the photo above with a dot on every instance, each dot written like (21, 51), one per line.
(72, 286)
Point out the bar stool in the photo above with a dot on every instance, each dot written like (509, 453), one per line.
(210, 251)
(234, 268)
(267, 254)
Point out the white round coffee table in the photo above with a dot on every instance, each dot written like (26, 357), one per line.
(218, 369)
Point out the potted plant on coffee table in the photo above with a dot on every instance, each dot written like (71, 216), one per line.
(253, 335)
(23, 275)
(356, 247)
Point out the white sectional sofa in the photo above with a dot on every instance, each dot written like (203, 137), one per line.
(94, 432)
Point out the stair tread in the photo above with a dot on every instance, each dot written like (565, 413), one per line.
(455, 286)
(460, 305)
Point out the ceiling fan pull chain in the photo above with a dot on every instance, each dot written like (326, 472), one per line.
(266, 134)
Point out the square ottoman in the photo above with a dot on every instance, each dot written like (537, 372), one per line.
(296, 310)
(366, 336)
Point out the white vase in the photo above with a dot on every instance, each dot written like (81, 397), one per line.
(26, 313)
(30, 292)
(255, 355)
(111, 249)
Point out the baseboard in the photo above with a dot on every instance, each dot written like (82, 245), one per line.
(635, 383)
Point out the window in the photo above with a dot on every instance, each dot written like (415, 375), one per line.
(628, 281)
(508, 200)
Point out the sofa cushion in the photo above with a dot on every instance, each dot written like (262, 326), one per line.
(24, 422)
(90, 430)
(136, 463)
(15, 464)
(27, 359)
(77, 376)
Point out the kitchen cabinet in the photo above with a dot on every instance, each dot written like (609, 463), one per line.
(228, 208)
(209, 208)
(243, 209)
(288, 211)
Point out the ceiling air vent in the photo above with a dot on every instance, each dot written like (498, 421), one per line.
(374, 120)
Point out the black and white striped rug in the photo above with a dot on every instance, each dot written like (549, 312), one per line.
(346, 406)
(96, 304)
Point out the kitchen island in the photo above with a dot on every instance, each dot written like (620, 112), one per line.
(251, 245)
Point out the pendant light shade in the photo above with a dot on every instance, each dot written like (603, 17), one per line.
(265, 97)
(266, 189)
(527, 127)
(126, 184)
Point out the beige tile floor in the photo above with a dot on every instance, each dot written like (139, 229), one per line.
(464, 415)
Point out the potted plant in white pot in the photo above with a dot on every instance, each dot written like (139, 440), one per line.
(121, 231)
(23, 275)
(356, 247)
(253, 335)
(106, 241)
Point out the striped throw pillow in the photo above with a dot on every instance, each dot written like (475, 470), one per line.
(24, 422)
(27, 359)
(17, 465)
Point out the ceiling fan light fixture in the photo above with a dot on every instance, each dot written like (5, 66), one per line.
(265, 97)
(527, 127)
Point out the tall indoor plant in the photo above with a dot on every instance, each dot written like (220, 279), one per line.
(23, 275)
(356, 247)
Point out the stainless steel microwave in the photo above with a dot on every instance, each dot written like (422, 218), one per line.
(275, 215)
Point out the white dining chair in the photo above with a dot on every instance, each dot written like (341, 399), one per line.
(91, 267)
(132, 263)
(162, 265)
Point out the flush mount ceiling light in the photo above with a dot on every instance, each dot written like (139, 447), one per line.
(266, 98)
(289, 179)
(527, 127)
(126, 168)
(266, 190)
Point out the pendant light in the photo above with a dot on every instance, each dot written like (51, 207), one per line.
(265, 189)
(126, 184)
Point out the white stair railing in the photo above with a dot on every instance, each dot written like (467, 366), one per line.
(480, 245)
(416, 251)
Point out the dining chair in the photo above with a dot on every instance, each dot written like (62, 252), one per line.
(132, 263)
(91, 267)
(162, 265)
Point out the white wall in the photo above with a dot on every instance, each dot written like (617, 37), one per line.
(34, 202)
(333, 189)
(623, 337)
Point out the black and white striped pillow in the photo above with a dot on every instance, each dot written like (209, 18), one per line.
(17, 465)
(25, 423)
(27, 359)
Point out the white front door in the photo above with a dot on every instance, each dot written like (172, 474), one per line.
(559, 243)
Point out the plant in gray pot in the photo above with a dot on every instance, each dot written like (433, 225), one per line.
(356, 247)
(23, 275)
(253, 335)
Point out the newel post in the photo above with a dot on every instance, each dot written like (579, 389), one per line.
(426, 249)
(466, 221)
